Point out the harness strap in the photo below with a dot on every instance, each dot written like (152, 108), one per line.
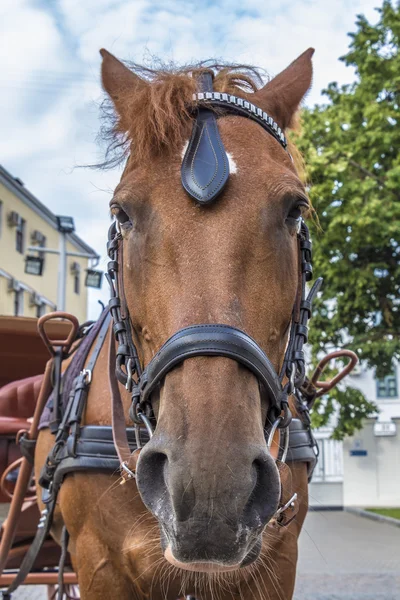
(120, 437)
(30, 557)
(61, 565)
(57, 408)
(95, 449)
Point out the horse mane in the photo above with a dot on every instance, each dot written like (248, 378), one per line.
(158, 115)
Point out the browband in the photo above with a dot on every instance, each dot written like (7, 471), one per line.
(243, 108)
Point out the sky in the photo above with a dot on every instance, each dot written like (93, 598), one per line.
(50, 84)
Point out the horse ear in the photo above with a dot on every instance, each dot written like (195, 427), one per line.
(118, 80)
(281, 96)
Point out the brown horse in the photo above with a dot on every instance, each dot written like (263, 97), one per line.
(210, 483)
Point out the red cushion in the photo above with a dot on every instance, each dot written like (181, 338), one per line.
(18, 398)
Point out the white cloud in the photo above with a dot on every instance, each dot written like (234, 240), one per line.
(50, 75)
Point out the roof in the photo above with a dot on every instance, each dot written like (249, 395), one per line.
(16, 186)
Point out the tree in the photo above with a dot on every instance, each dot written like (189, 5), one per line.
(351, 149)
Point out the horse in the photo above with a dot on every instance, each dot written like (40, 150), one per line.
(195, 513)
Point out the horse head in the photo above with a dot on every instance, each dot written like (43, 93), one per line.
(207, 474)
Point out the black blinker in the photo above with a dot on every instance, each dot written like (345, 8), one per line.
(205, 166)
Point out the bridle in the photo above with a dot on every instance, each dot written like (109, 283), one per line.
(213, 339)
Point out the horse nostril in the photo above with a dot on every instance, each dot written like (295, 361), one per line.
(264, 498)
(151, 478)
(256, 475)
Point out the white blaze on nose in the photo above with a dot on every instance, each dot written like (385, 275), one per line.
(232, 164)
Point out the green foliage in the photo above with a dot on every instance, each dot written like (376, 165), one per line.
(351, 149)
(394, 513)
(353, 408)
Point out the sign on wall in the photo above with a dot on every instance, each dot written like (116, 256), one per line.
(385, 429)
(34, 265)
(358, 449)
(93, 278)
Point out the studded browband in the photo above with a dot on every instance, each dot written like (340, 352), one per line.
(238, 106)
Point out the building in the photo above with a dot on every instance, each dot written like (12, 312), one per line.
(26, 224)
(363, 470)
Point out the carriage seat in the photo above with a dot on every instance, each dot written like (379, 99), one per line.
(17, 405)
(18, 401)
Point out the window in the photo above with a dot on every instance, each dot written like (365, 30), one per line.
(18, 303)
(20, 235)
(387, 387)
(330, 463)
(38, 239)
(40, 310)
(76, 272)
(43, 245)
(77, 283)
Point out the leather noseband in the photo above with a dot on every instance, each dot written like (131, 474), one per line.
(213, 340)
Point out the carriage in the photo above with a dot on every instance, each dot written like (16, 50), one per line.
(23, 358)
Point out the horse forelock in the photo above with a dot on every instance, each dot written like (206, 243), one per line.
(158, 116)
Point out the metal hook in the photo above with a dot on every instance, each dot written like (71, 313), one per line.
(129, 372)
(289, 503)
(131, 474)
(286, 446)
(271, 438)
(148, 426)
(272, 432)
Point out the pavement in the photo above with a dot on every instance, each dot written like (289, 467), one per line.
(342, 556)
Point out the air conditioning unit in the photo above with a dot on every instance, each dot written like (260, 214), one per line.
(75, 268)
(14, 285)
(37, 237)
(13, 218)
(35, 299)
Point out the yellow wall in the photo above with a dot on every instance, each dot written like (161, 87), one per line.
(13, 262)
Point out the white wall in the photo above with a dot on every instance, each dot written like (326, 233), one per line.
(372, 480)
(324, 493)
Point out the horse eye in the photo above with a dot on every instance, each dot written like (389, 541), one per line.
(295, 213)
(119, 214)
